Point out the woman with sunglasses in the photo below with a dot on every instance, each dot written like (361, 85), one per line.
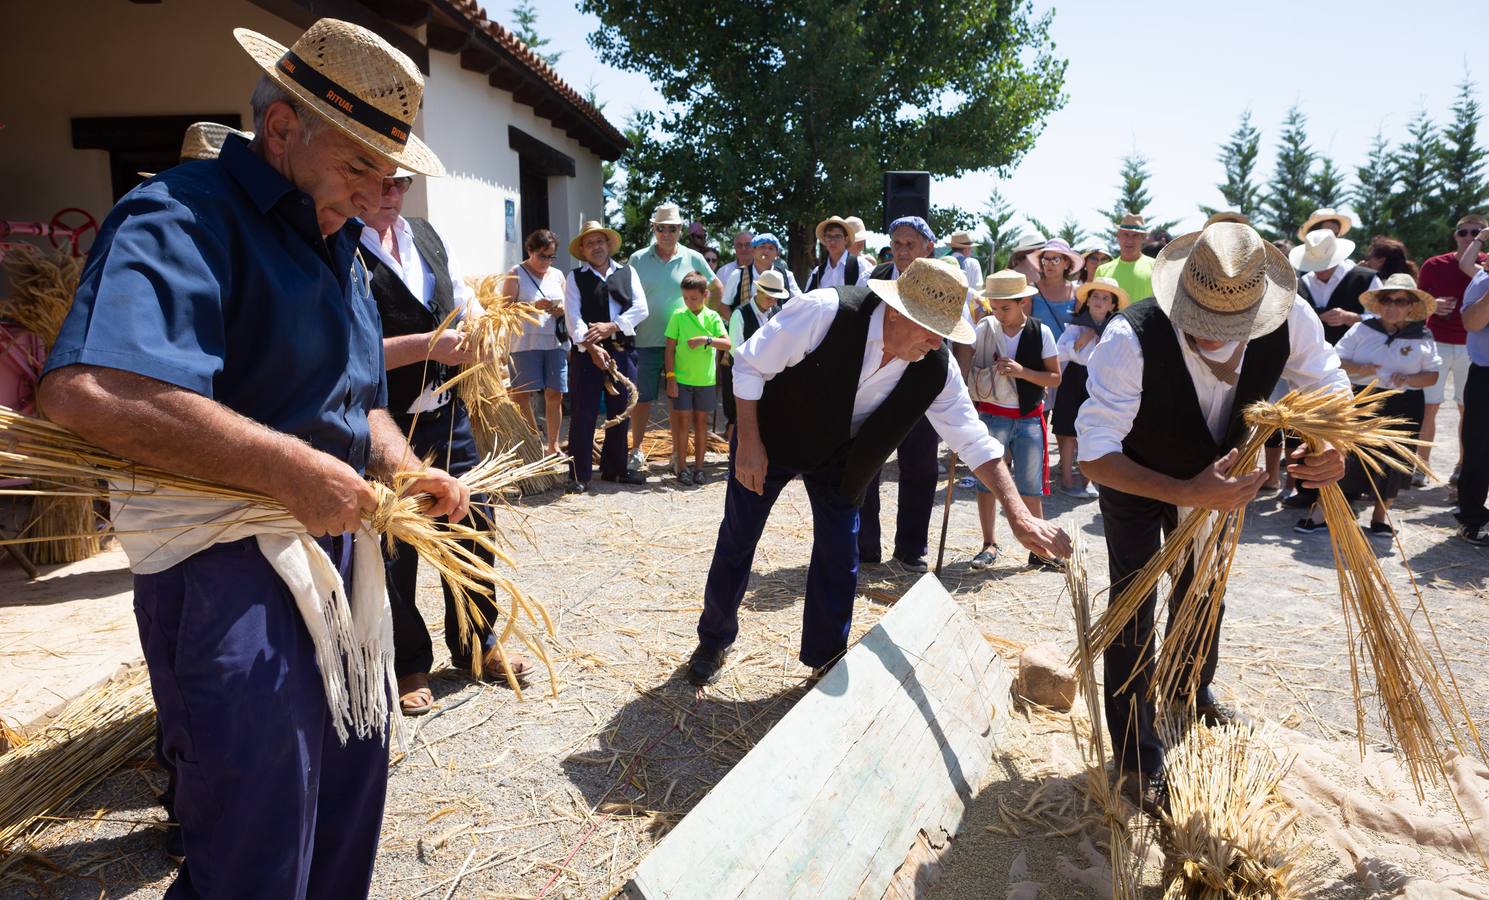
(540, 360)
(1392, 348)
(1055, 302)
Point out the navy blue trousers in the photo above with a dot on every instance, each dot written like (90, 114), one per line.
(586, 393)
(1473, 477)
(444, 434)
(270, 803)
(918, 479)
(1135, 528)
(832, 576)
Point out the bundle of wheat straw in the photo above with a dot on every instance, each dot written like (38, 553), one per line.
(95, 734)
(1099, 784)
(1229, 832)
(42, 284)
(657, 445)
(67, 523)
(45, 452)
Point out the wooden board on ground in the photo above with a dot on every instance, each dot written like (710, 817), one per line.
(893, 742)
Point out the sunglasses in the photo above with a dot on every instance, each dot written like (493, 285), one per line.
(1397, 300)
(1469, 232)
(1053, 257)
(548, 257)
(666, 229)
(402, 183)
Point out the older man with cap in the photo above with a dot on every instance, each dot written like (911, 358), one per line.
(223, 330)
(838, 265)
(765, 254)
(1132, 270)
(961, 246)
(826, 390)
(1167, 386)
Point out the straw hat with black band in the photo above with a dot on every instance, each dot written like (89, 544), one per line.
(772, 283)
(960, 240)
(589, 228)
(1320, 216)
(931, 293)
(1103, 283)
(356, 81)
(1224, 283)
(1401, 283)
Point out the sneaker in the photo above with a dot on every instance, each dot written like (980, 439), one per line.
(706, 664)
(1091, 490)
(1073, 491)
(1296, 500)
(636, 461)
(986, 558)
(684, 476)
(699, 478)
(1381, 530)
(1419, 479)
(1216, 714)
(1148, 792)
(1474, 534)
(1049, 565)
(628, 478)
(1306, 525)
(967, 482)
(578, 487)
(917, 564)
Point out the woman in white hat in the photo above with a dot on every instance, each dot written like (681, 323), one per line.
(1393, 349)
(1095, 302)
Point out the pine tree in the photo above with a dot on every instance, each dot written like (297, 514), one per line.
(1240, 190)
(1328, 184)
(1462, 188)
(1290, 193)
(525, 18)
(1070, 231)
(1417, 163)
(1375, 189)
(1132, 198)
(1002, 236)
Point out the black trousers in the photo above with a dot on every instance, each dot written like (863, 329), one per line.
(1135, 528)
(445, 434)
(918, 478)
(587, 394)
(1473, 477)
(726, 391)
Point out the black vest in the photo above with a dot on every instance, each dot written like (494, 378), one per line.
(1346, 296)
(403, 313)
(1030, 355)
(595, 295)
(806, 412)
(745, 288)
(748, 321)
(883, 272)
(1169, 434)
(850, 272)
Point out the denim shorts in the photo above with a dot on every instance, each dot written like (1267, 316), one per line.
(649, 361)
(1023, 448)
(539, 370)
(692, 398)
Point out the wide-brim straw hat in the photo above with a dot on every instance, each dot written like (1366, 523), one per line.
(857, 231)
(355, 80)
(931, 293)
(1226, 216)
(1006, 284)
(1320, 216)
(667, 214)
(1103, 283)
(1224, 283)
(593, 227)
(959, 240)
(1401, 283)
(773, 283)
(1320, 250)
(834, 220)
(1056, 245)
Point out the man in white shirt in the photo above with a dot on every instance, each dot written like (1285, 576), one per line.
(838, 266)
(961, 250)
(1168, 383)
(418, 286)
(603, 304)
(739, 285)
(826, 390)
(744, 255)
(1331, 281)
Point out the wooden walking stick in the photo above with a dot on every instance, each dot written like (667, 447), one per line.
(946, 513)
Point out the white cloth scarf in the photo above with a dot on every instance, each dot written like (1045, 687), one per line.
(352, 635)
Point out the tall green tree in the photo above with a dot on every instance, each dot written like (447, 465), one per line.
(1290, 192)
(1238, 154)
(1461, 187)
(525, 26)
(793, 109)
(1328, 184)
(1375, 188)
(1003, 235)
(1414, 212)
(1132, 197)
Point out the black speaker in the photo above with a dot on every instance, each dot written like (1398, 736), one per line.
(906, 194)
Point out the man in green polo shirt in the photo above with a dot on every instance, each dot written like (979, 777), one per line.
(661, 268)
(1133, 270)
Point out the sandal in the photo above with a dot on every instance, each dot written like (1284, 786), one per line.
(491, 667)
(414, 696)
(986, 558)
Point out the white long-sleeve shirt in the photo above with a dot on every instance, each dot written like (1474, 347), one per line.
(731, 285)
(1321, 290)
(627, 320)
(1066, 349)
(837, 275)
(800, 328)
(1116, 379)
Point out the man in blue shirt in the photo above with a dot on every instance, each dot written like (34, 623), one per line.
(1473, 480)
(223, 330)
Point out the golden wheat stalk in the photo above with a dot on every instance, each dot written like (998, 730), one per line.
(42, 284)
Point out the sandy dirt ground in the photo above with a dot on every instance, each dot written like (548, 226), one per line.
(563, 796)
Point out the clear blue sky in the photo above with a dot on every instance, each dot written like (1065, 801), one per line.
(1171, 79)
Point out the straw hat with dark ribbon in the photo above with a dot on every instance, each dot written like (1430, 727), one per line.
(834, 220)
(1133, 222)
(1320, 250)
(1224, 283)
(589, 228)
(931, 293)
(1028, 241)
(1320, 216)
(1006, 284)
(959, 240)
(667, 214)
(355, 80)
(1401, 283)
(773, 283)
(1103, 283)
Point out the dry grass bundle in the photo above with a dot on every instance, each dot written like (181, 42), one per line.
(1229, 832)
(45, 452)
(42, 283)
(69, 521)
(95, 734)
(657, 445)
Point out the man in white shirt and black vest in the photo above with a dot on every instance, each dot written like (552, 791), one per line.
(838, 265)
(1168, 384)
(826, 390)
(603, 303)
(417, 286)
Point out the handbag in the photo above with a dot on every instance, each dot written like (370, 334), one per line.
(981, 377)
(560, 326)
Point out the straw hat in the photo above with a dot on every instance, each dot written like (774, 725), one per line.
(856, 229)
(931, 293)
(1133, 222)
(593, 227)
(834, 220)
(1006, 284)
(1226, 216)
(356, 81)
(1401, 283)
(773, 283)
(1320, 250)
(203, 140)
(667, 214)
(1224, 283)
(1320, 216)
(1103, 283)
(1028, 241)
(1056, 245)
(959, 240)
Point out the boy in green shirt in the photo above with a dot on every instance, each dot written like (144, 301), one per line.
(693, 334)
